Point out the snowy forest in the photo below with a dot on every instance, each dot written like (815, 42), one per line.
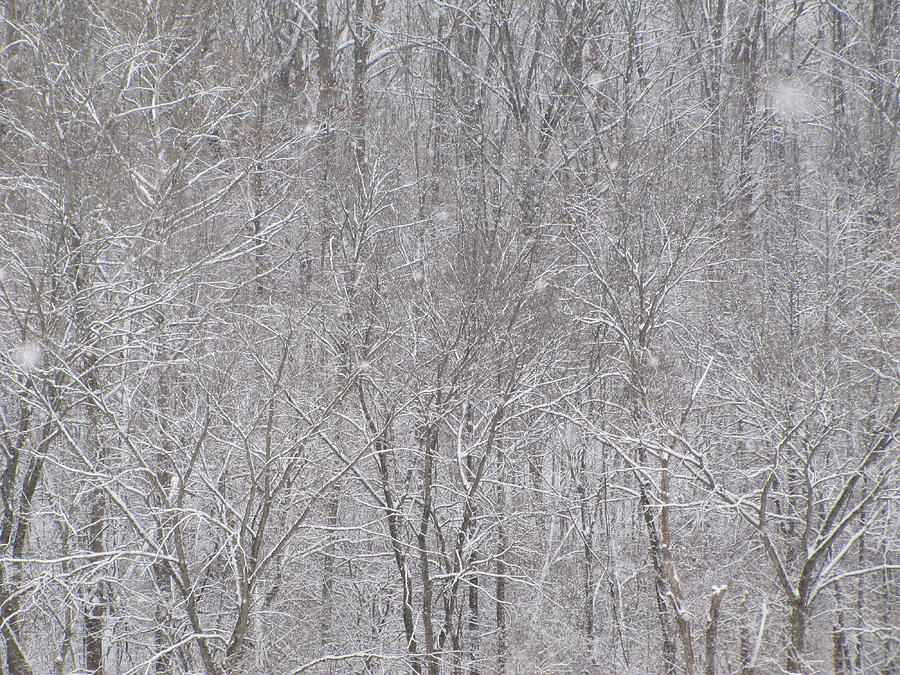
(449, 336)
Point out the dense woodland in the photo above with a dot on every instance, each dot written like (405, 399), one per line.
(449, 336)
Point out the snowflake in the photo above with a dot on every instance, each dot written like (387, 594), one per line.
(28, 356)
(789, 98)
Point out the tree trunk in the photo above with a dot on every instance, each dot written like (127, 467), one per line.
(797, 644)
(500, 582)
(392, 515)
(95, 608)
(712, 626)
(668, 643)
(328, 574)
